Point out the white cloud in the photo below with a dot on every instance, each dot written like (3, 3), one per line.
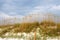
(45, 9)
(6, 16)
(3, 15)
(56, 7)
(39, 7)
(38, 10)
(12, 13)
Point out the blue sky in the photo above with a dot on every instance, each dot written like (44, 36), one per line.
(20, 8)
